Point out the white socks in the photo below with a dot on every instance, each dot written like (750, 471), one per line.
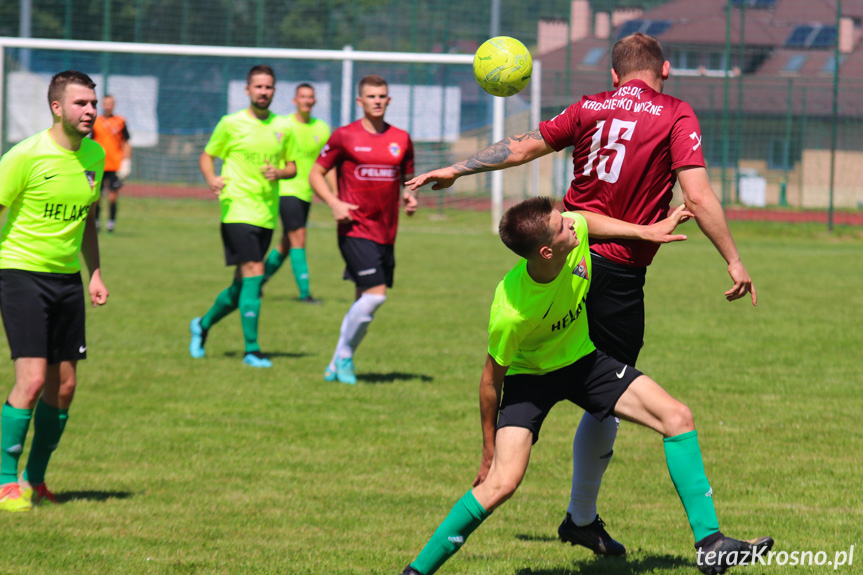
(355, 324)
(591, 453)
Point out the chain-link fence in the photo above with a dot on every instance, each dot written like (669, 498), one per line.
(760, 74)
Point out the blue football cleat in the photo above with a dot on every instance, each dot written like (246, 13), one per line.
(257, 359)
(329, 374)
(345, 370)
(199, 338)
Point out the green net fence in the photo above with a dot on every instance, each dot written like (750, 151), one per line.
(770, 134)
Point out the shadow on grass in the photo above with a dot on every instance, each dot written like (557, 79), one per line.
(615, 565)
(393, 377)
(535, 537)
(67, 496)
(272, 354)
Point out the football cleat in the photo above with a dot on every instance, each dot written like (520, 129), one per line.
(330, 374)
(345, 370)
(199, 338)
(310, 300)
(409, 570)
(593, 536)
(716, 553)
(12, 500)
(38, 495)
(257, 359)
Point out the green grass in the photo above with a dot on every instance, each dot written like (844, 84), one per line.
(174, 465)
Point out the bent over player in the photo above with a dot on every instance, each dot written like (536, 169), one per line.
(630, 146)
(539, 353)
(372, 160)
(49, 183)
(254, 143)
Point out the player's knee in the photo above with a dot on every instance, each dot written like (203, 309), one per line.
(371, 303)
(678, 420)
(501, 490)
(29, 388)
(67, 391)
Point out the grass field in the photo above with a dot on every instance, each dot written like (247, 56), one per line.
(174, 465)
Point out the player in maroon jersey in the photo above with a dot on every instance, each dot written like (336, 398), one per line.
(372, 159)
(630, 146)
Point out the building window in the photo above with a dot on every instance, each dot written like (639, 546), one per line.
(593, 56)
(795, 63)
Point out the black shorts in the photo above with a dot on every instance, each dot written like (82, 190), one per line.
(615, 309)
(367, 263)
(111, 182)
(294, 212)
(245, 243)
(43, 314)
(594, 383)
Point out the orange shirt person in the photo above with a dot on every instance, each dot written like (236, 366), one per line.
(111, 133)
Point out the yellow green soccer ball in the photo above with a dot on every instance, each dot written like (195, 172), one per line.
(502, 66)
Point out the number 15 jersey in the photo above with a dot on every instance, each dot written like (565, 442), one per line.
(627, 144)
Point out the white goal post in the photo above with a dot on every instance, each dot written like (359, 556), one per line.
(346, 56)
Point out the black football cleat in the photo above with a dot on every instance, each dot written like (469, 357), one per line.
(593, 536)
(410, 571)
(716, 553)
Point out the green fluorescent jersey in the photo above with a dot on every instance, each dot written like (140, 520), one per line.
(246, 144)
(48, 191)
(537, 328)
(307, 141)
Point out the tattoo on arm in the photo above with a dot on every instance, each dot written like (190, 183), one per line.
(495, 156)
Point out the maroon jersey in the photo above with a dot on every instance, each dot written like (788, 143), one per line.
(371, 169)
(627, 145)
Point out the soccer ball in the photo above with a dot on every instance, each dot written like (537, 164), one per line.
(502, 66)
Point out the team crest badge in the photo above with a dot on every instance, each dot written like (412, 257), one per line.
(91, 179)
(581, 270)
(278, 136)
(395, 149)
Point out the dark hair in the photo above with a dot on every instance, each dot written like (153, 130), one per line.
(57, 87)
(524, 227)
(371, 80)
(304, 85)
(260, 69)
(636, 53)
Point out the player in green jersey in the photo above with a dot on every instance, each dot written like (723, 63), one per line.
(48, 183)
(309, 136)
(540, 353)
(255, 145)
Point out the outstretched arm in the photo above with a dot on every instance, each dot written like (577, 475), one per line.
(490, 386)
(705, 207)
(602, 227)
(509, 152)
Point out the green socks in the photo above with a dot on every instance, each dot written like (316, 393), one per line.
(245, 295)
(250, 308)
(463, 519)
(274, 261)
(13, 431)
(683, 456)
(48, 425)
(301, 270)
(225, 303)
